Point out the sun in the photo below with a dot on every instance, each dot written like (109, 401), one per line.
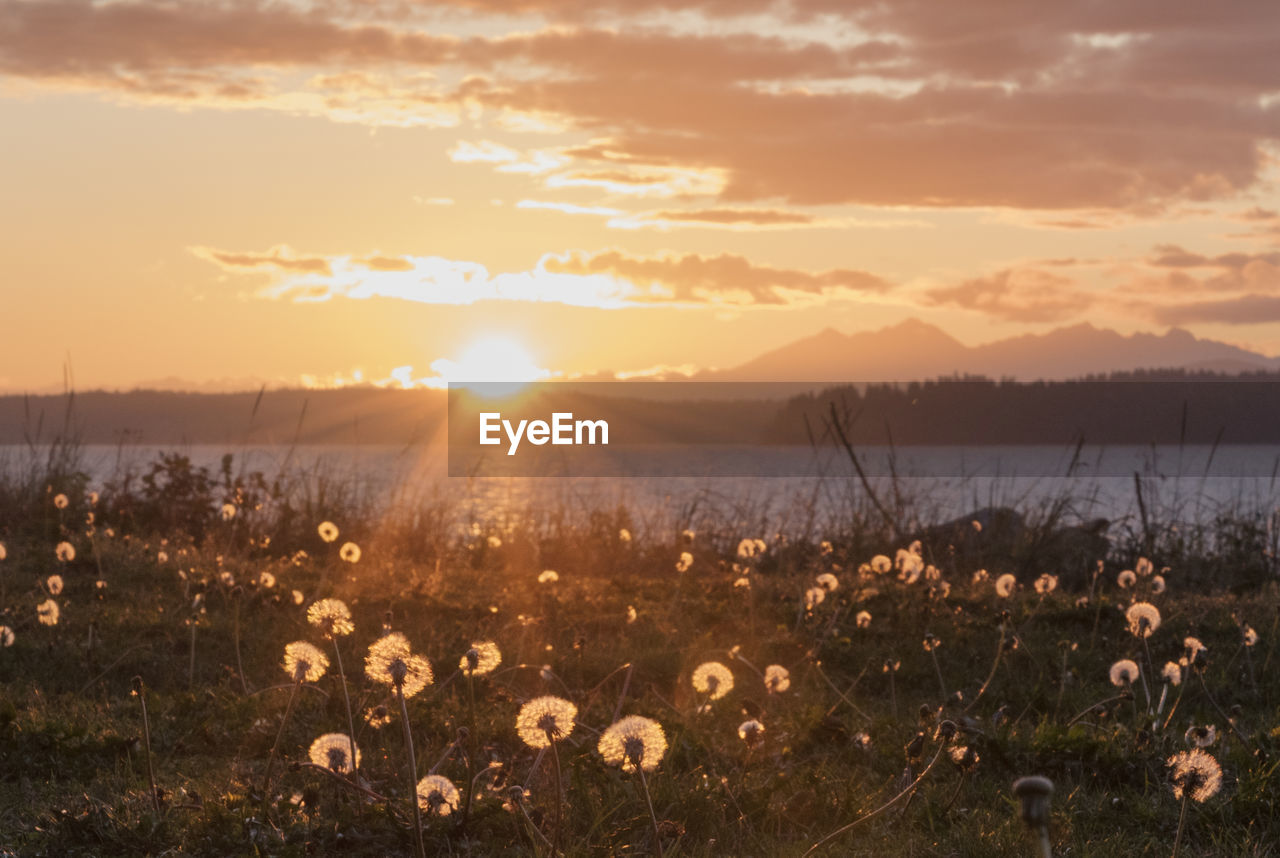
(491, 360)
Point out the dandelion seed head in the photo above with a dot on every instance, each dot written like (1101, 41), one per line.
(332, 617)
(861, 741)
(60, 501)
(1005, 585)
(824, 548)
(1046, 584)
(813, 597)
(54, 583)
(350, 552)
(742, 583)
(624, 535)
(228, 511)
(1194, 648)
(1143, 567)
(631, 614)
(685, 561)
(909, 563)
(1201, 735)
(980, 577)
(4, 552)
(332, 751)
(437, 795)
(65, 552)
(48, 612)
(298, 598)
(266, 580)
(304, 662)
(483, 657)
(712, 679)
(965, 757)
(1144, 618)
(1157, 584)
(377, 717)
(777, 678)
(751, 732)
(1249, 636)
(633, 741)
(1126, 579)
(1172, 673)
(863, 619)
(328, 531)
(1195, 773)
(6, 636)
(828, 582)
(391, 661)
(880, 564)
(1124, 672)
(548, 576)
(543, 719)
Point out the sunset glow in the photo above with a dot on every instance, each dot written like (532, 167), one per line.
(364, 186)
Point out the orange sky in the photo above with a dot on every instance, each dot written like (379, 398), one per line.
(226, 193)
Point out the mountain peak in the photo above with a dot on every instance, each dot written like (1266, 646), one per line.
(916, 350)
(914, 327)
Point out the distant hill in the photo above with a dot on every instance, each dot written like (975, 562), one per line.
(348, 416)
(916, 351)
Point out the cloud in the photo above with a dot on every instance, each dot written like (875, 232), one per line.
(1016, 295)
(385, 263)
(715, 279)
(606, 280)
(278, 258)
(1181, 271)
(1248, 309)
(733, 217)
(568, 208)
(1173, 256)
(1105, 106)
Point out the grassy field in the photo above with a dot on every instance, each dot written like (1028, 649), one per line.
(196, 582)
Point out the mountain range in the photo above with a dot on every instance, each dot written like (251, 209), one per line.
(916, 350)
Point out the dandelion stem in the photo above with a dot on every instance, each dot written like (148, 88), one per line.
(626, 686)
(653, 817)
(841, 695)
(942, 686)
(888, 804)
(191, 668)
(413, 773)
(1230, 722)
(1174, 708)
(351, 724)
(1099, 705)
(955, 795)
(1146, 649)
(244, 685)
(466, 805)
(146, 741)
(986, 683)
(1182, 818)
(342, 780)
(520, 803)
(271, 759)
(555, 767)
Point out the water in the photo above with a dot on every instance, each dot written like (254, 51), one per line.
(785, 485)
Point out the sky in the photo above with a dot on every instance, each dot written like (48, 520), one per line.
(215, 195)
